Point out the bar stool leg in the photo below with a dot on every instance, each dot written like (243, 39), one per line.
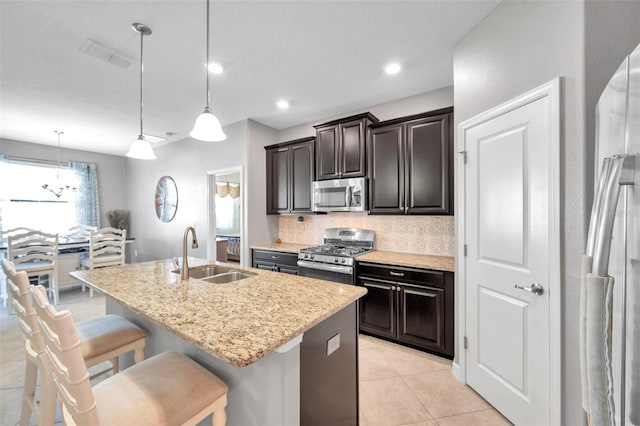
(138, 355)
(219, 415)
(28, 395)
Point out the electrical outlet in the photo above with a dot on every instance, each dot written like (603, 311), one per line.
(333, 344)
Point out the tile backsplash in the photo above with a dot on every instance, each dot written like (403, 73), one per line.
(432, 235)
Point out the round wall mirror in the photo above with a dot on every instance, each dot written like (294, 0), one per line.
(166, 199)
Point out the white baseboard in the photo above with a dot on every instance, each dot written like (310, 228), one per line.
(455, 371)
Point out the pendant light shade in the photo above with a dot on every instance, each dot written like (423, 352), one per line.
(207, 127)
(141, 148)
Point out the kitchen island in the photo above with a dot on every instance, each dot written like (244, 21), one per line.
(260, 335)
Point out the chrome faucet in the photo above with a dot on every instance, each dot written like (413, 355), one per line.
(184, 275)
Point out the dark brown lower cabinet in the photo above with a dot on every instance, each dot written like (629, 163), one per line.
(275, 261)
(408, 305)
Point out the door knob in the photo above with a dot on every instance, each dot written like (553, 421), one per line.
(535, 288)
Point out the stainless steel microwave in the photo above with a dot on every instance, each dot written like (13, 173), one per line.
(340, 195)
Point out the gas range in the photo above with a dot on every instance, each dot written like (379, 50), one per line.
(330, 253)
(334, 260)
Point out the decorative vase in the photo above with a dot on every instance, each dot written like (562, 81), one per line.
(119, 219)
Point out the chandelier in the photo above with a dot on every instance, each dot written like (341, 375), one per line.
(59, 187)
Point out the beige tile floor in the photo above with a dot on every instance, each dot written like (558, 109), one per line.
(403, 386)
(398, 385)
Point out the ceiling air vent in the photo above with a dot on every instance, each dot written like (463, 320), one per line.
(97, 50)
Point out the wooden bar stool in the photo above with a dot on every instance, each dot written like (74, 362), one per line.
(167, 389)
(100, 339)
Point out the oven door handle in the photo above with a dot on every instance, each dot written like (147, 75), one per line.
(326, 267)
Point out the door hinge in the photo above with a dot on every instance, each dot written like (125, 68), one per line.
(466, 342)
(464, 250)
(464, 156)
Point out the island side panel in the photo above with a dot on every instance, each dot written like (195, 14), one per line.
(262, 394)
(329, 383)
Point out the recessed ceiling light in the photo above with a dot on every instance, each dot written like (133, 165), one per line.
(282, 104)
(393, 68)
(215, 68)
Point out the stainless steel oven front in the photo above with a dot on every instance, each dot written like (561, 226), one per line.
(326, 271)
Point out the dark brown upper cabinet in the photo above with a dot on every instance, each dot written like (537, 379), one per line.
(341, 147)
(290, 167)
(410, 162)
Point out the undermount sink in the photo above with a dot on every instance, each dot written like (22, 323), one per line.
(216, 274)
(229, 277)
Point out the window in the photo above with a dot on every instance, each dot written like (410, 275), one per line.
(24, 203)
(227, 214)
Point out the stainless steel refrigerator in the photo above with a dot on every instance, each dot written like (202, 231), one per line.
(618, 134)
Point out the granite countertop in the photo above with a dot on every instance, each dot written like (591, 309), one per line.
(284, 247)
(238, 322)
(440, 263)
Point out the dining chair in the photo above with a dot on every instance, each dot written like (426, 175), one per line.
(106, 248)
(36, 253)
(167, 389)
(80, 231)
(15, 231)
(5, 237)
(100, 339)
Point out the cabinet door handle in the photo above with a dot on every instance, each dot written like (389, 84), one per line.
(398, 288)
(274, 257)
(378, 286)
(396, 274)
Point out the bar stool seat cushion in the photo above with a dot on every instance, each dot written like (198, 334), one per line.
(167, 389)
(103, 334)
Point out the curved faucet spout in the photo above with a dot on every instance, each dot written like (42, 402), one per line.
(184, 275)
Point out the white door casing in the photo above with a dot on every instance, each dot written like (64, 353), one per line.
(508, 185)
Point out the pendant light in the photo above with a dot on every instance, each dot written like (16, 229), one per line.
(141, 148)
(59, 186)
(207, 127)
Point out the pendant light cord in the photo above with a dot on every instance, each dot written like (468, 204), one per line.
(58, 132)
(207, 65)
(141, 71)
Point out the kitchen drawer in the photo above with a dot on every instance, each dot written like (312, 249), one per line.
(278, 257)
(400, 273)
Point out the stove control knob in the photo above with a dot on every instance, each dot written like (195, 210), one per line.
(311, 257)
(344, 260)
(305, 256)
(335, 259)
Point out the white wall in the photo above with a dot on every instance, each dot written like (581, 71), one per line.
(260, 227)
(187, 162)
(519, 46)
(423, 102)
(112, 170)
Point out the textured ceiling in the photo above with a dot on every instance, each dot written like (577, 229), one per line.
(325, 57)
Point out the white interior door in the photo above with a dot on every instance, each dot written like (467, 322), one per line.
(508, 221)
